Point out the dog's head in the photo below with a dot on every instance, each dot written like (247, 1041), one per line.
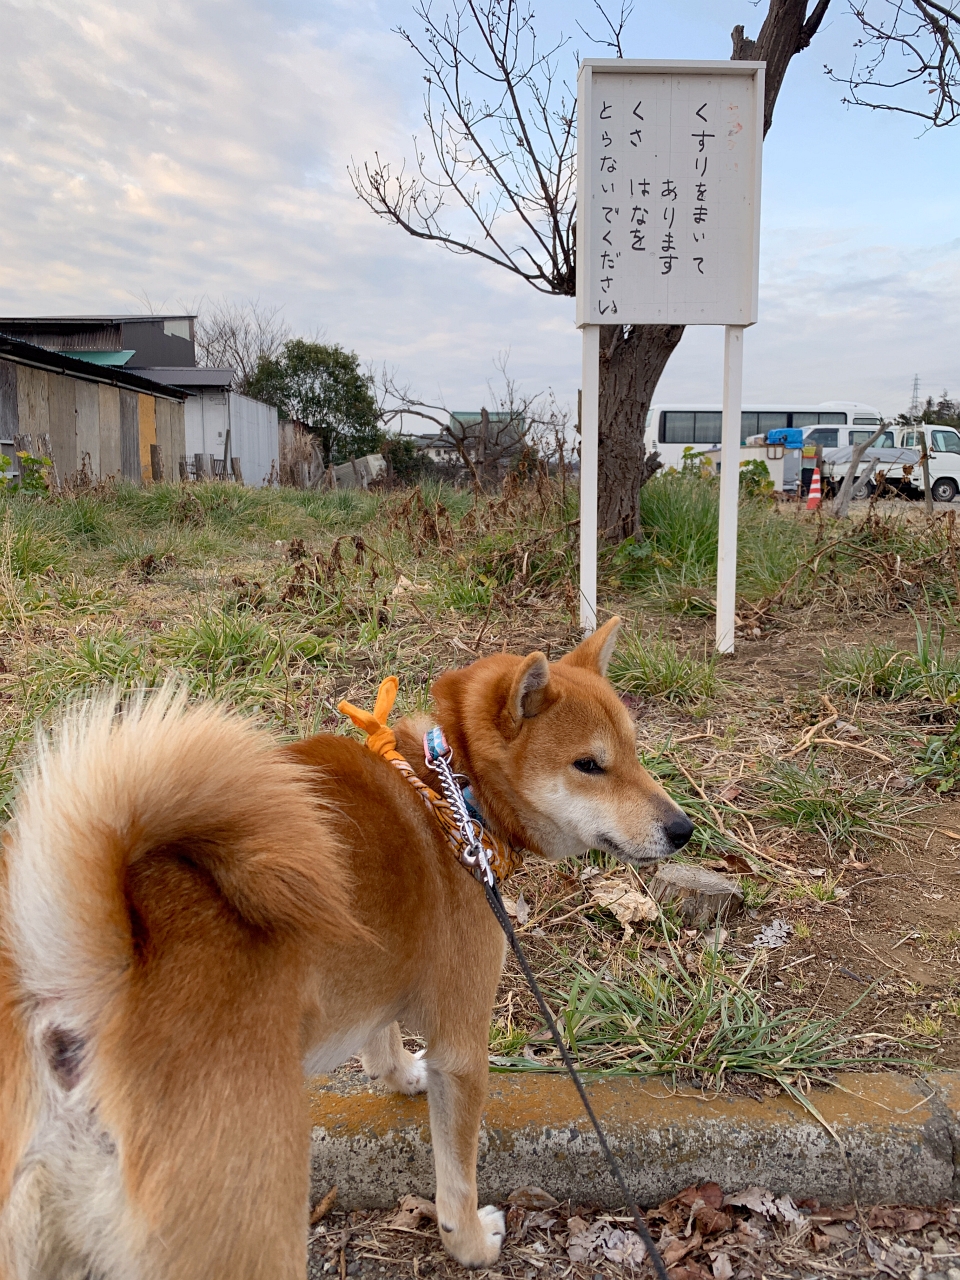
(551, 752)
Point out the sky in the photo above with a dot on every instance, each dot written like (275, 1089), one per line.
(165, 153)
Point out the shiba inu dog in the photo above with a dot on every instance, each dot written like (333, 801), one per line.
(192, 916)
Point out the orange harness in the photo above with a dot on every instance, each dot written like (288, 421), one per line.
(504, 859)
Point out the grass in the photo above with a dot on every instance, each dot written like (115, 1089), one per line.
(284, 602)
(820, 803)
(654, 667)
(665, 1017)
(884, 671)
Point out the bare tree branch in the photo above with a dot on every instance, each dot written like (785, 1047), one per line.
(239, 335)
(615, 39)
(925, 36)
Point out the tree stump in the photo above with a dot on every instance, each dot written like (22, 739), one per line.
(703, 896)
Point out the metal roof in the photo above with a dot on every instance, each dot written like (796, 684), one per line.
(72, 321)
(40, 358)
(189, 376)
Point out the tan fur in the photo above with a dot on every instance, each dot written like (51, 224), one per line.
(191, 915)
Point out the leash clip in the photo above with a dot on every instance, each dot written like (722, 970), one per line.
(439, 755)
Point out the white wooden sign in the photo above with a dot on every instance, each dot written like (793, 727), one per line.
(668, 221)
(668, 208)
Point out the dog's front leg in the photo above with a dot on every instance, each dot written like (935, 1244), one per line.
(456, 1096)
(384, 1058)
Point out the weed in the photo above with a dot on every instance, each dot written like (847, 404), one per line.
(755, 892)
(925, 1025)
(882, 671)
(661, 1017)
(812, 801)
(801, 930)
(652, 665)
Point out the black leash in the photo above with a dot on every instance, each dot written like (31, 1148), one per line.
(498, 909)
(473, 856)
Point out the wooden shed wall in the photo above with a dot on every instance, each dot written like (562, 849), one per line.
(110, 461)
(148, 433)
(33, 401)
(130, 436)
(88, 426)
(63, 422)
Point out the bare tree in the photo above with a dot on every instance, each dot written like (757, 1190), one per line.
(497, 178)
(485, 441)
(926, 36)
(240, 336)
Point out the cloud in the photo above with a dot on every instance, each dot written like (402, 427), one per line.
(200, 147)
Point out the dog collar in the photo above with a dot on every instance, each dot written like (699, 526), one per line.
(479, 850)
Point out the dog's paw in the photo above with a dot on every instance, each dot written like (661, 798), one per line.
(479, 1248)
(408, 1075)
(411, 1077)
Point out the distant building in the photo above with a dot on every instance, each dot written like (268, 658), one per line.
(99, 415)
(464, 434)
(163, 350)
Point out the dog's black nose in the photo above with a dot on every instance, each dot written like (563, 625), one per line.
(679, 830)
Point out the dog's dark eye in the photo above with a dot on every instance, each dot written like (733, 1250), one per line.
(587, 764)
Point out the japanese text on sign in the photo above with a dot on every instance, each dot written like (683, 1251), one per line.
(668, 197)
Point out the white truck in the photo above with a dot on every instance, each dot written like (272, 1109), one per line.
(899, 448)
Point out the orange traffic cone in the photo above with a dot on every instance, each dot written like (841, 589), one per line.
(813, 498)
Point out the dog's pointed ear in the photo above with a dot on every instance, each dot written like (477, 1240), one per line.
(595, 652)
(529, 687)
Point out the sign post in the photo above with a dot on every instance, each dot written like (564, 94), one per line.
(668, 218)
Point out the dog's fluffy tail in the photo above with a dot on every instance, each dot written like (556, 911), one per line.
(169, 879)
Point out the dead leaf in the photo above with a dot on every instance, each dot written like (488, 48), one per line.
(517, 908)
(731, 792)
(580, 1246)
(760, 1200)
(628, 904)
(893, 1259)
(412, 1209)
(677, 1249)
(900, 1219)
(542, 1218)
(736, 862)
(712, 1221)
(324, 1207)
(722, 1266)
(532, 1198)
(404, 585)
(576, 1225)
(515, 1217)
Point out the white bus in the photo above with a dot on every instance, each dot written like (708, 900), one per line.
(671, 428)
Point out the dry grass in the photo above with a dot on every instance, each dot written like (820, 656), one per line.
(284, 602)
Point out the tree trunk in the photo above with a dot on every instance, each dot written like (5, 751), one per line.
(632, 359)
(631, 362)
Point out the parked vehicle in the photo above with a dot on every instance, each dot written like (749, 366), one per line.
(943, 453)
(674, 428)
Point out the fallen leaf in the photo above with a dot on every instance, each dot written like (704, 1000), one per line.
(772, 936)
(532, 1198)
(736, 862)
(515, 1217)
(324, 1207)
(523, 910)
(722, 1266)
(412, 1209)
(583, 1243)
(542, 1218)
(900, 1219)
(677, 1249)
(576, 1225)
(894, 1259)
(762, 1201)
(712, 1221)
(731, 792)
(628, 904)
(404, 584)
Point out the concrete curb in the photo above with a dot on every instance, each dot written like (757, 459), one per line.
(899, 1140)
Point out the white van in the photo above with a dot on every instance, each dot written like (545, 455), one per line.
(671, 428)
(943, 451)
